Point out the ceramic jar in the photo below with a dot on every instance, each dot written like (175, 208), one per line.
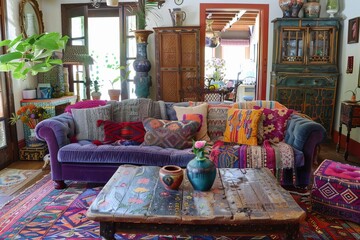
(201, 173)
(291, 8)
(312, 9)
(332, 7)
(171, 176)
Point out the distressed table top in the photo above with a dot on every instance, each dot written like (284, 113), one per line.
(135, 195)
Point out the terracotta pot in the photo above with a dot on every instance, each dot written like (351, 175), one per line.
(171, 176)
(114, 94)
(96, 95)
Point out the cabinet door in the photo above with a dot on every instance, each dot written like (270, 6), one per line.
(292, 98)
(319, 105)
(189, 68)
(178, 61)
(169, 61)
(292, 42)
(321, 46)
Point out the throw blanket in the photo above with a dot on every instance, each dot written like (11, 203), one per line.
(131, 110)
(275, 156)
(260, 103)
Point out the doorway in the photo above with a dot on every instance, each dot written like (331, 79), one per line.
(262, 48)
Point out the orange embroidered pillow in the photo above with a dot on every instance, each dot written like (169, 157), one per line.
(242, 126)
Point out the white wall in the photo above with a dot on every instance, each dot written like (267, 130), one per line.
(349, 9)
(13, 30)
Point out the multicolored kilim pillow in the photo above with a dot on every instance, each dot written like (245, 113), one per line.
(275, 123)
(217, 115)
(242, 126)
(133, 131)
(169, 134)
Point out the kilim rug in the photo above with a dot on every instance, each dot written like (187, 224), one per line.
(42, 212)
(12, 180)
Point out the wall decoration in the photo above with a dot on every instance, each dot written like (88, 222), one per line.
(350, 64)
(353, 30)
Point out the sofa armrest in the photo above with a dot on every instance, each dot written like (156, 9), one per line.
(300, 129)
(57, 132)
(304, 135)
(63, 127)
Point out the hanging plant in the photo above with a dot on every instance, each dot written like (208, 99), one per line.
(33, 54)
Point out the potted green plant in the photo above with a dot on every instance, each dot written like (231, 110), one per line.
(353, 96)
(31, 55)
(124, 75)
(95, 94)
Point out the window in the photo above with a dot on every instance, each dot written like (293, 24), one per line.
(116, 47)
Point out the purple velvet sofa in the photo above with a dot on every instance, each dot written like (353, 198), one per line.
(85, 161)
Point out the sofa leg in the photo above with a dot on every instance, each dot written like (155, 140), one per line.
(59, 184)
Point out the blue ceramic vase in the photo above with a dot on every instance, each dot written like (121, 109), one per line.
(201, 173)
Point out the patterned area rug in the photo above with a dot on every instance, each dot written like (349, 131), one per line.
(12, 180)
(45, 213)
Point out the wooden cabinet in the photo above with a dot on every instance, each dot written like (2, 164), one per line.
(177, 60)
(305, 66)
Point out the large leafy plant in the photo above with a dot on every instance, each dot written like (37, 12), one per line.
(31, 55)
(143, 8)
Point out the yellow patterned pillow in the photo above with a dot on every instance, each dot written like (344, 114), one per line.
(242, 126)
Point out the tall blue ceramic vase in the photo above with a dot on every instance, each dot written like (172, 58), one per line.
(201, 173)
(141, 64)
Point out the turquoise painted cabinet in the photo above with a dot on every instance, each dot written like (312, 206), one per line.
(305, 68)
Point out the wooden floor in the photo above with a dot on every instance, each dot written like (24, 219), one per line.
(327, 151)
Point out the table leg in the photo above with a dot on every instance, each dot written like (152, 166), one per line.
(346, 154)
(293, 233)
(339, 138)
(107, 230)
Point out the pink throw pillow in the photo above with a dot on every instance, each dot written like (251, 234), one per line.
(274, 123)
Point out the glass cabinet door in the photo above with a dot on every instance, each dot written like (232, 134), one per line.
(319, 45)
(292, 45)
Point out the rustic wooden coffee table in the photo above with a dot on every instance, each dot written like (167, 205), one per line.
(239, 203)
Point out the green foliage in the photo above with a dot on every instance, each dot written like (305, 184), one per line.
(124, 73)
(32, 54)
(143, 8)
(95, 85)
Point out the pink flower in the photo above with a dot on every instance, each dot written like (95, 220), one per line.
(199, 144)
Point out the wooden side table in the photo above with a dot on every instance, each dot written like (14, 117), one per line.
(350, 116)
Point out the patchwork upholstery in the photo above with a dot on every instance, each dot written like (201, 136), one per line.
(336, 190)
(280, 158)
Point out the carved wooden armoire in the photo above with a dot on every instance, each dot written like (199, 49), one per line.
(305, 69)
(177, 60)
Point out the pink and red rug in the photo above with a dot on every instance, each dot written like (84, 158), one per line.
(41, 212)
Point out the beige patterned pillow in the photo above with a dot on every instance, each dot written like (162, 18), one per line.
(200, 109)
(85, 122)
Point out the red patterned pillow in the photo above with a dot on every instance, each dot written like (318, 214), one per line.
(275, 123)
(132, 131)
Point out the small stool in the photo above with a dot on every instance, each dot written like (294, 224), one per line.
(336, 190)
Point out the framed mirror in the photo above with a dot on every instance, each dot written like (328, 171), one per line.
(31, 20)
